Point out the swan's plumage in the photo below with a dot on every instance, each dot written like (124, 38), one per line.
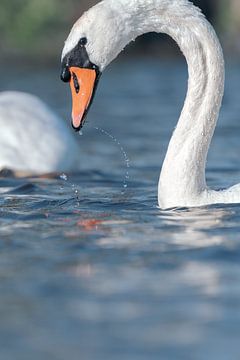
(110, 26)
(32, 138)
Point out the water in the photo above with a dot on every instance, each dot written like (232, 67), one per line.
(101, 274)
(124, 155)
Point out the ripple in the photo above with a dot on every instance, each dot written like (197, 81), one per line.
(109, 266)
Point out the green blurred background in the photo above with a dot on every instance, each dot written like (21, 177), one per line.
(34, 30)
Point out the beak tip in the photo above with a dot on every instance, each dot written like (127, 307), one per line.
(77, 128)
(77, 122)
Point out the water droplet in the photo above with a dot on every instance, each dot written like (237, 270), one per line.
(124, 154)
(73, 186)
(80, 133)
(63, 177)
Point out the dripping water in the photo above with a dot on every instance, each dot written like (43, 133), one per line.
(124, 155)
(65, 178)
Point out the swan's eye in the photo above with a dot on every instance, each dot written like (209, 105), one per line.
(83, 41)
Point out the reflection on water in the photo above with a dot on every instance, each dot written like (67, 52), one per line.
(195, 223)
(90, 272)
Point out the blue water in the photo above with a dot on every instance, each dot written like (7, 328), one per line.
(90, 268)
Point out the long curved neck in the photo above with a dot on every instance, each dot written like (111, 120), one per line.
(183, 172)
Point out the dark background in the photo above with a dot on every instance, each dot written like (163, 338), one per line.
(34, 31)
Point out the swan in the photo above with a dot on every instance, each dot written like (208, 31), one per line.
(33, 140)
(100, 35)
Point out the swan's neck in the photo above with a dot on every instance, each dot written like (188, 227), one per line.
(182, 178)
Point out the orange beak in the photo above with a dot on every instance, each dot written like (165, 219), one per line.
(82, 85)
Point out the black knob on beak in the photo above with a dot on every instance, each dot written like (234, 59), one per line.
(65, 74)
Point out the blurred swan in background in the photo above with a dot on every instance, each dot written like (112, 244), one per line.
(33, 140)
(101, 34)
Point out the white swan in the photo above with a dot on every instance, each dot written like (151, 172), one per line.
(99, 36)
(33, 140)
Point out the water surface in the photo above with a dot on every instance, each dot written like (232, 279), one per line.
(90, 269)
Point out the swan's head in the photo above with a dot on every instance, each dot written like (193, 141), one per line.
(92, 44)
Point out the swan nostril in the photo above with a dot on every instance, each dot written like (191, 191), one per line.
(76, 83)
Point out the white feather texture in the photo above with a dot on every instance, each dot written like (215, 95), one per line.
(110, 26)
(32, 138)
